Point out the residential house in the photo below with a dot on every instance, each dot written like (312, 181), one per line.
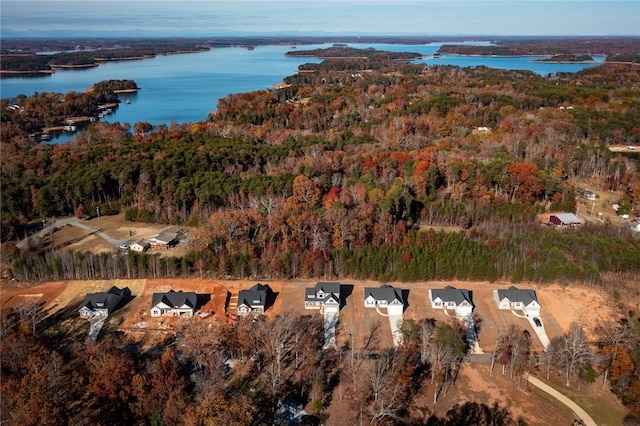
(253, 301)
(164, 240)
(324, 296)
(104, 303)
(517, 299)
(176, 303)
(140, 246)
(384, 296)
(452, 298)
(564, 219)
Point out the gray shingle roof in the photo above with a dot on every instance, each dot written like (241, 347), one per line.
(514, 294)
(105, 300)
(330, 289)
(451, 294)
(384, 292)
(256, 296)
(175, 299)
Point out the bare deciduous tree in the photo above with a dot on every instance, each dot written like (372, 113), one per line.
(574, 352)
(276, 338)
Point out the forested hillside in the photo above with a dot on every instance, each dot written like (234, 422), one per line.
(343, 171)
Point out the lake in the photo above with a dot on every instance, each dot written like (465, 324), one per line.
(185, 88)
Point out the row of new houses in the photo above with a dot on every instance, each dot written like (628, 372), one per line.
(325, 296)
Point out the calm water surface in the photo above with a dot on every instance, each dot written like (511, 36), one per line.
(186, 88)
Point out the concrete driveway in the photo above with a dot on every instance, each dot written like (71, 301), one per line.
(540, 332)
(394, 322)
(95, 325)
(330, 322)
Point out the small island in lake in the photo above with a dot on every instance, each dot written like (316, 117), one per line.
(340, 51)
(567, 58)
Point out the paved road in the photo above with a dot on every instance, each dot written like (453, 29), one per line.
(479, 358)
(73, 221)
(578, 411)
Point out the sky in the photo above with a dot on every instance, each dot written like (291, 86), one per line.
(202, 18)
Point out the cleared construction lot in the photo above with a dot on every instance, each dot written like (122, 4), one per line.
(560, 306)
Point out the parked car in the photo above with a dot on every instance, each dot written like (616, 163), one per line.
(124, 246)
(537, 322)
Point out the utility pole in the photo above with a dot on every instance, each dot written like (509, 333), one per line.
(98, 211)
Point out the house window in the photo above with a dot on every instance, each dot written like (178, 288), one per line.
(438, 304)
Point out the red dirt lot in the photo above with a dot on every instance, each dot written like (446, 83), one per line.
(14, 296)
(213, 294)
(560, 306)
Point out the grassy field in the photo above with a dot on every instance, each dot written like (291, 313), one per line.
(605, 413)
(601, 405)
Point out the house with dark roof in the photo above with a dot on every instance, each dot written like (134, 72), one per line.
(518, 299)
(384, 296)
(452, 298)
(104, 303)
(253, 301)
(324, 296)
(564, 219)
(174, 303)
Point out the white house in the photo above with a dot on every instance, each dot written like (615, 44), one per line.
(102, 304)
(452, 298)
(140, 246)
(517, 299)
(384, 296)
(253, 300)
(324, 296)
(174, 303)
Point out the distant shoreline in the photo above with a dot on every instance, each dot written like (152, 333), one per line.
(135, 58)
(27, 72)
(74, 66)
